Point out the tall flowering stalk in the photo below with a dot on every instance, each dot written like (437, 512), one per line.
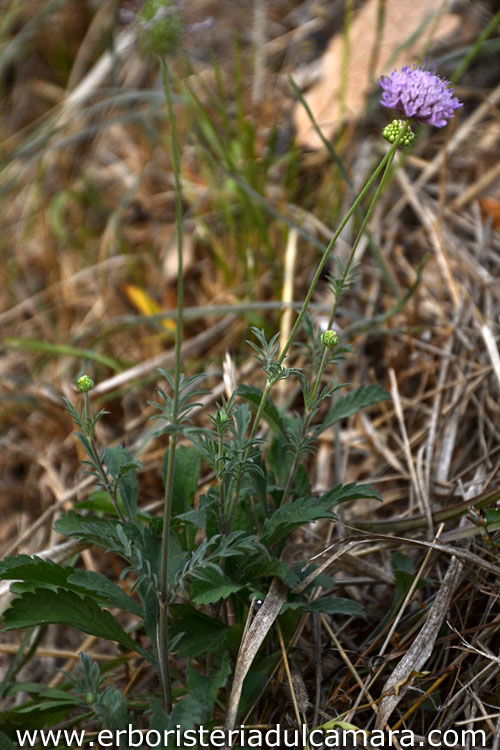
(419, 95)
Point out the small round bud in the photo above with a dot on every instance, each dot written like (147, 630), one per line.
(159, 27)
(330, 339)
(84, 384)
(391, 132)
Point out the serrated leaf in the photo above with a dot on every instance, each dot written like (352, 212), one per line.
(198, 518)
(345, 492)
(67, 608)
(365, 395)
(209, 584)
(336, 605)
(275, 417)
(100, 531)
(289, 516)
(34, 570)
(50, 575)
(107, 592)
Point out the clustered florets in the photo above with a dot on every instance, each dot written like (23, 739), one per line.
(392, 131)
(420, 95)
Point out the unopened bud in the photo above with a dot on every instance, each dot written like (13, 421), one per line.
(84, 384)
(391, 132)
(330, 339)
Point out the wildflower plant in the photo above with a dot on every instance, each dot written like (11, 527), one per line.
(195, 570)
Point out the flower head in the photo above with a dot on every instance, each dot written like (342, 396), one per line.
(419, 94)
(84, 384)
(159, 27)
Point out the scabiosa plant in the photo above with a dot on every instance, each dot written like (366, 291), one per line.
(420, 95)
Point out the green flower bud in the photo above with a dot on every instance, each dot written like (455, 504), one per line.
(222, 416)
(330, 339)
(159, 27)
(391, 132)
(84, 384)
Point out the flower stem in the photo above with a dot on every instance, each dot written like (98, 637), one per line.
(391, 154)
(388, 156)
(386, 162)
(163, 647)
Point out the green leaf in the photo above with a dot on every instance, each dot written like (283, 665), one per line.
(289, 516)
(41, 714)
(67, 608)
(399, 561)
(186, 473)
(198, 518)
(265, 567)
(302, 484)
(34, 570)
(104, 590)
(336, 605)
(50, 575)
(123, 469)
(100, 502)
(209, 584)
(219, 678)
(365, 395)
(280, 458)
(5, 743)
(345, 492)
(100, 531)
(200, 632)
(492, 515)
(275, 417)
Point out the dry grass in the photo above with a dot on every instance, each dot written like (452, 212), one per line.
(88, 217)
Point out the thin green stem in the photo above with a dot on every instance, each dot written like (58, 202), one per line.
(386, 162)
(352, 253)
(328, 248)
(314, 393)
(93, 454)
(163, 646)
(220, 466)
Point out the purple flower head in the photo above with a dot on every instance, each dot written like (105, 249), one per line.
(419, 94)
